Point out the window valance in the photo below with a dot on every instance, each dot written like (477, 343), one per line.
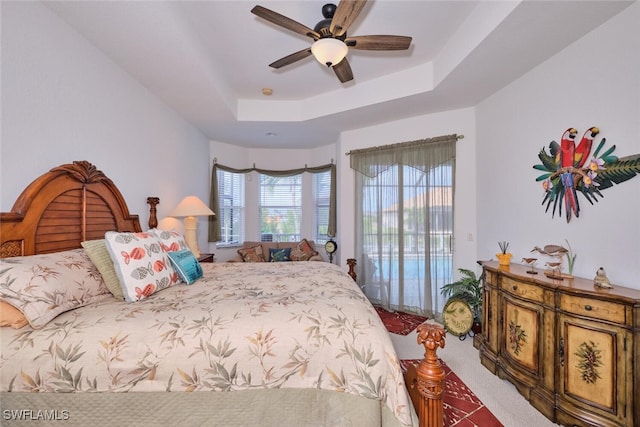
(214, 225)
(422, 154)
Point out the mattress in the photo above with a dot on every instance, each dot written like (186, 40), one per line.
(291, 343)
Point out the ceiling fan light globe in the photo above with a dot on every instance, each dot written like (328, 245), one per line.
(329, 51)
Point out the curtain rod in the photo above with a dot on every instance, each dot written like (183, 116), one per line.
(215, 162)
(458, 137)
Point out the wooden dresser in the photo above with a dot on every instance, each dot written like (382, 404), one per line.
(572, 350)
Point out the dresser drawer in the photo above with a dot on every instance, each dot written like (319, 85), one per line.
(523, 290)
(599, 310)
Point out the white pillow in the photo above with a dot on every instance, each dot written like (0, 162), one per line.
(170, 241)
(143, 268)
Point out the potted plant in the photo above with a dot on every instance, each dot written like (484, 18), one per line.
(469, 288)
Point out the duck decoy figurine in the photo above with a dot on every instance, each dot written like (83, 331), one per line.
(555, 251)
(551, 250)
(555, 268)
(531, 263)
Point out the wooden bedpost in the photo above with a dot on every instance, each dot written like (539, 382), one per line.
(351, 262)
(153, 218)
(426, 382)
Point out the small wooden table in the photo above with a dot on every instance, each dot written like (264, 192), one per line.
(205, 258)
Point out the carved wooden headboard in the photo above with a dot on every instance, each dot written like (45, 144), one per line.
(65, 206)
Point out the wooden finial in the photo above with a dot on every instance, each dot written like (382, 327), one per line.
(430, 376)
(153, 218)
(351, 262)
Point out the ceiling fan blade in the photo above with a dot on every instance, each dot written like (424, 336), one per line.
(346, 12)
(290, 59)
(284, 22)
(343, 71)
(379, 42)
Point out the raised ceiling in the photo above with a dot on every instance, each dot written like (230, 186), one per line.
(208, 60)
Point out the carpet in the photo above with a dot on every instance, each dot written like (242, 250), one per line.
(462, 408)
(398, 322)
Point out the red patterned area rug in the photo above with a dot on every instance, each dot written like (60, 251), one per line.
(462, 408)
(398, 322)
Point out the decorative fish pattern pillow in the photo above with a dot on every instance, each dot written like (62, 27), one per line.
(140, 263)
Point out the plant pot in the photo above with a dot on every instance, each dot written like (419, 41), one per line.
(504, 259)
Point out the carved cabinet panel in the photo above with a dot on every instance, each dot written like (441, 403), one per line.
(521, 329)
(595, 372)
(571, 349)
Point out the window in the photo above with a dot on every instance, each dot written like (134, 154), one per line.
(272, 205)
(280, 208)
(321, 196)
(231, 215)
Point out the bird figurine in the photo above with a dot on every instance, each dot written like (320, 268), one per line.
(551, 250)
(567, 157)
(601, 280)
(531, 263)
(554, 251)
(570, 170)
(556, 268)
(584, 147)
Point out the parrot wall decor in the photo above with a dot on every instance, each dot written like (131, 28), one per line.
(570, 171)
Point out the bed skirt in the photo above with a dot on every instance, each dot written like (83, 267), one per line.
(303, 407)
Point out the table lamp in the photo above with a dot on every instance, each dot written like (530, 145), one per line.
(190, 208)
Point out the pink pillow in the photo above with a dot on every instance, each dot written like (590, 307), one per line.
(11, 316)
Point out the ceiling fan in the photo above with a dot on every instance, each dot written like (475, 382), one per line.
(331, 42)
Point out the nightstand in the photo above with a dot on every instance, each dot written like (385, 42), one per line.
(205, 258)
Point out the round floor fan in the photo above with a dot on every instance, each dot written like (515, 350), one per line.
(331, 42)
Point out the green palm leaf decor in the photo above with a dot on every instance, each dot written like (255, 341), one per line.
(586, 176)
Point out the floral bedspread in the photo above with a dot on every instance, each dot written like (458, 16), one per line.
(242, 326)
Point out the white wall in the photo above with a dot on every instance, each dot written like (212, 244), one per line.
(594, 82)
(64, 100)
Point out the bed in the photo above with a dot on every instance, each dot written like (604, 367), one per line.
(291, 343)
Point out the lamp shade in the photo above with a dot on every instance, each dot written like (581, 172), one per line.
(191, 206)
(329, 51)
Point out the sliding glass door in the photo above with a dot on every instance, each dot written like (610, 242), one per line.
(404, 233)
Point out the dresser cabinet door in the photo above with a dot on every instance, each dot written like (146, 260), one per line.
(521, 332)
(596, 378)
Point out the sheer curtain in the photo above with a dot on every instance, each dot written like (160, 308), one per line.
(404, 223)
